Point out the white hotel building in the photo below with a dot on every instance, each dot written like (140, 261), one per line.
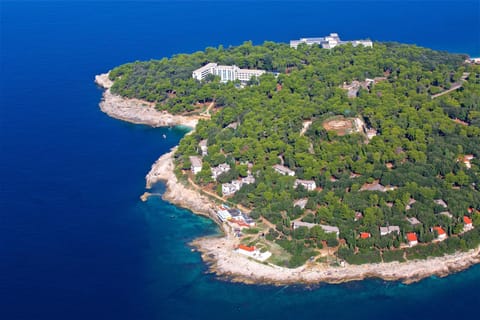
(329, 42)
(226, 73)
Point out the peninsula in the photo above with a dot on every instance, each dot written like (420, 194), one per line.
(319, 165)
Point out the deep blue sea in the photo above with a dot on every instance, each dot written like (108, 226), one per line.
(76, 242)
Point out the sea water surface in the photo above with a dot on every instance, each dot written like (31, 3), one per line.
(76, 242)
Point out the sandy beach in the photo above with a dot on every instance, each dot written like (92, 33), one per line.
(218, 252)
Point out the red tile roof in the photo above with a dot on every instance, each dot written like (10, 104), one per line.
(411, 236)
(439, 230)
(365, 235)
(240, 223)
(246, 248)
(467, 220)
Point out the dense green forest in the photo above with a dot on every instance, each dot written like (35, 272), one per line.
(418, 149)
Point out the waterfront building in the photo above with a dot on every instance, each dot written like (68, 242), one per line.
(224, 215)
(412, 239)
(329, 42)
(252, 252)
(226, 73)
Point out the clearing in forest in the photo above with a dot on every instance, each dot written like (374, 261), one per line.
(341, 125)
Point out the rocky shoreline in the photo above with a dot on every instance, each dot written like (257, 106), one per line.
(176, 192)
(227, 264)
(218, 252)
(137, 111)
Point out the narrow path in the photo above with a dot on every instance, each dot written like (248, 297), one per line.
(306, 124)
(455, 86)
(206, 113)
(197, 187)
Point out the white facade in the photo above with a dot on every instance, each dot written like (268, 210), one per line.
(283, 170)
(224, 215)
(329, 42)
(298, 224)
(203, 147)
(221, 168)
(230, 188)
(226, 73)
(196, 166)
(325, 228)
(390, 229)
(202, 72)
(248, 179)
(330, 229)
(255, 254)
(309, 185)
(301, 203)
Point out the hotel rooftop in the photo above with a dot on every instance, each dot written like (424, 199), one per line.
(329, 42)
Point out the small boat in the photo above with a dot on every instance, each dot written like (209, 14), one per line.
(164, 136)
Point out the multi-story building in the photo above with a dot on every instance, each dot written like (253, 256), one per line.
(329, 42)
(226, 73)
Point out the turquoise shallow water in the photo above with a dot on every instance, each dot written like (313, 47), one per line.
(76, 242)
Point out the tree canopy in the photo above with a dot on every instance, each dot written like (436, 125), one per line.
(417, 154)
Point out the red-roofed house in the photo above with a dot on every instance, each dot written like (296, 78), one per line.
(365, 235)
(467, 223)
(245, 248)
(412, 239)
(441, 234)
(253, 252)
(241, 223)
